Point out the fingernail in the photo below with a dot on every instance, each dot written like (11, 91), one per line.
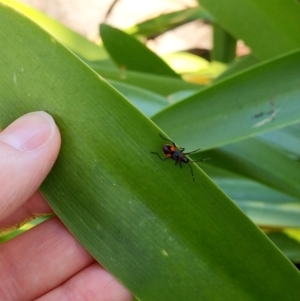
(30, 132)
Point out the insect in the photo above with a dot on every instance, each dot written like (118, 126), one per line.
(173, 152)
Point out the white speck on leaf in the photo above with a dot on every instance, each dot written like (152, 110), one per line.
(266, 120)
(164, 252)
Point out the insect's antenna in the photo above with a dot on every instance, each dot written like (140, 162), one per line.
(192, 151)
(205, 159)
(166, 139)
(192, 172)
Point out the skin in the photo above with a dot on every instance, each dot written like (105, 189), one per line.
(45, 263)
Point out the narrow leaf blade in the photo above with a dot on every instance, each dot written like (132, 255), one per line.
(130, 54)
(261, 99)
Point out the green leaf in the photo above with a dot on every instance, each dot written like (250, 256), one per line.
(64, 35)
(289, 246)
(12, 232)
(161, 234)
(147, 81)
(287, 139)
(130, 54)
(147, 102)
(165, 22)
(266, 207)
(260, 161)
(257, 23)
(224, 45)
(184, 62)
(261, 99)
(284, 175)
(239, 65)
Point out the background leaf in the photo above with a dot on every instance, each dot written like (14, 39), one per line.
(266, 207)
(238, 65)
(258, 23)
(289, 245)
(64, 35)
(130, 54)
(147, 102)
(151, 82)
(224, 45)
(165, 22)
(258, 160)
(260, 99)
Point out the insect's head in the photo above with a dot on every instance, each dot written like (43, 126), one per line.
(168, 148)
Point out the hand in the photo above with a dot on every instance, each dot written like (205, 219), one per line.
(45, 263)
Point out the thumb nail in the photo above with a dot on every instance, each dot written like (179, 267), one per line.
(29, 132)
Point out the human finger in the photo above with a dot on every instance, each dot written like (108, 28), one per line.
(28, 149)
(39, 260)
(91, 284)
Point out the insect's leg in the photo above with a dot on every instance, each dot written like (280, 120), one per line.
(162, 159)
(182, 149)
(178, 160)
(192, 172)
(168, 140)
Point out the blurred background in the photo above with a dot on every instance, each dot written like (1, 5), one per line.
(84, 17)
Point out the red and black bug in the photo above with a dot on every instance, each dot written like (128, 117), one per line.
(176, 153)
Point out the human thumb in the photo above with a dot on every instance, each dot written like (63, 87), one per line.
(28, 149)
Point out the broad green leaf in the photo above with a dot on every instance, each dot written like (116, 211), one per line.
(147, 81)
(265, 206)
(260, 161)
(261, 99)
(161, 234)
(258, 23)
(287, 139)
(64, 35)
(165, 22)
(131, 54)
